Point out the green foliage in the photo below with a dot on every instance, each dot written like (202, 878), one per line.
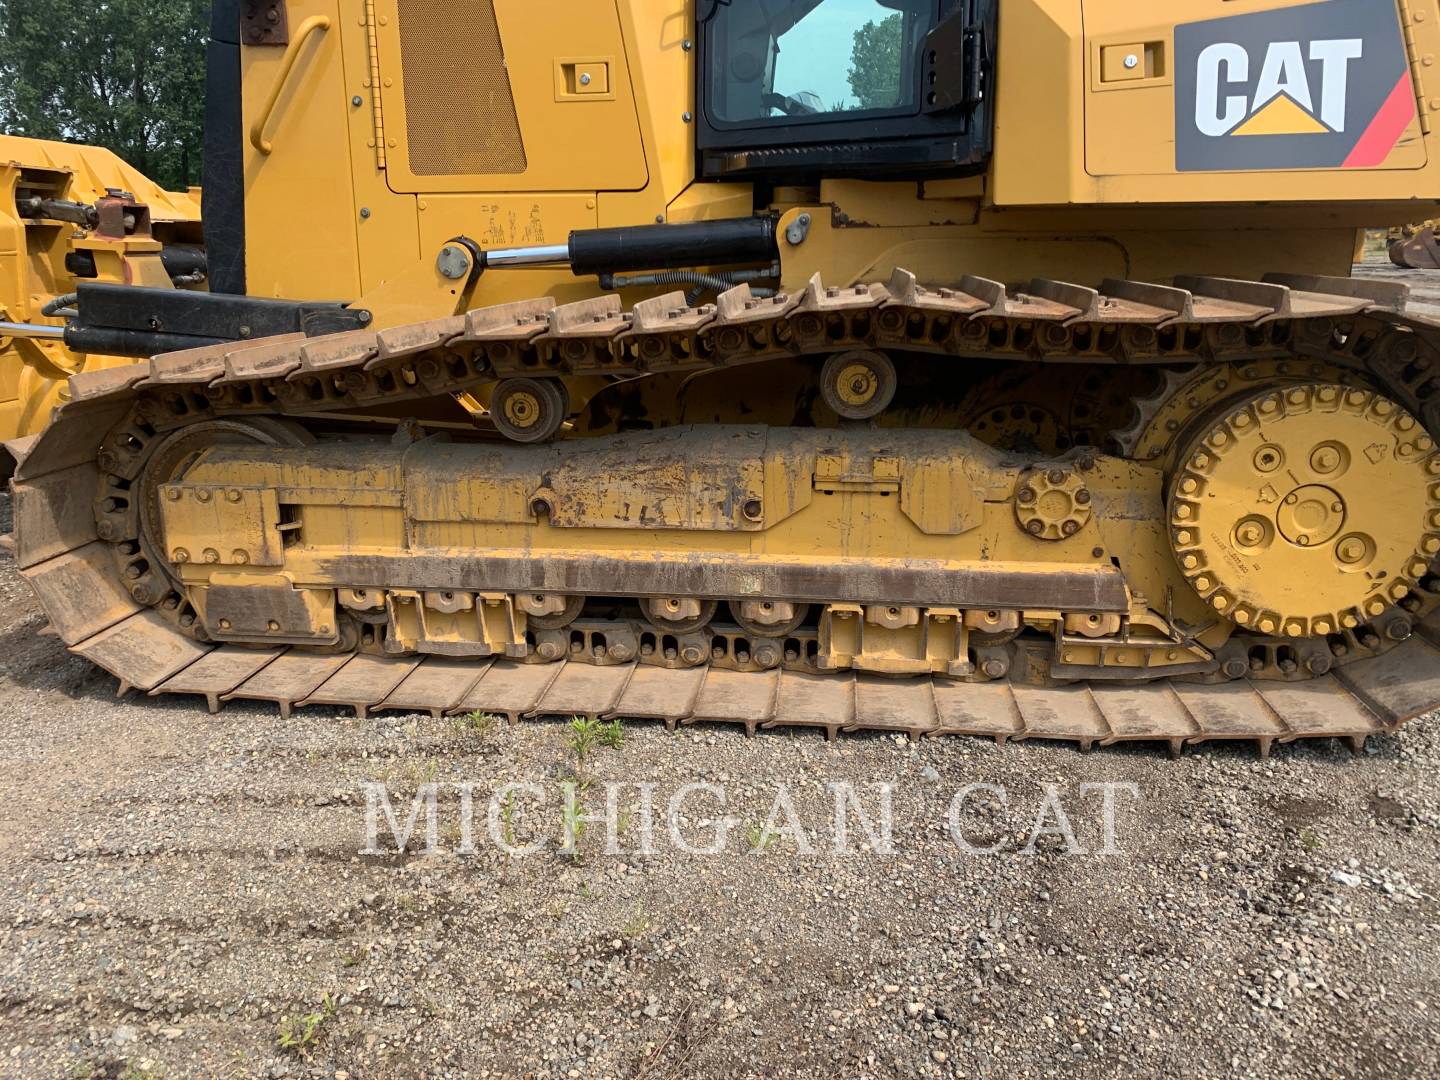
(299, 1034)
(584, 733)
(875, 63)
(759, 837)
(612, 735)
(124, 74)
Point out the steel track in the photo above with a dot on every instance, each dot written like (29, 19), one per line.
(80, 550)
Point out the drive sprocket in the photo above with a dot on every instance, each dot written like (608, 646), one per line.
(1307, 510)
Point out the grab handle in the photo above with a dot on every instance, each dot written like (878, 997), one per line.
(287, 65)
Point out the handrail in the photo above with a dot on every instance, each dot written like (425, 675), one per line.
(292, 53)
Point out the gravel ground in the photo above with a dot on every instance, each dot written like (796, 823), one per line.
(182, 895)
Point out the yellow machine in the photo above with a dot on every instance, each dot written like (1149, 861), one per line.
(70, 213)
(1415, 246)
(914, 365)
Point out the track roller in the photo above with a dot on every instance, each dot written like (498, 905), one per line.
(529, 410)
(678, 614)
(768, 618)
(549, 611)
(859, 384)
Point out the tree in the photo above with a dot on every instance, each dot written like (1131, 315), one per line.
(875, 63)
(128, 75)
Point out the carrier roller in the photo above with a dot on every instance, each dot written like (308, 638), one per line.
(238, 523)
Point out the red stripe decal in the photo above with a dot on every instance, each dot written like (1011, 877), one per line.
(1387, 127)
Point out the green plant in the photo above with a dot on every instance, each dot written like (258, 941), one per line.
(507, 820)
(421, 772)
(355, 957)
(474, 723)
(612, 735)
(637, 924)
(298, 1035)
(572, 818)
(584, 734)
(760, 837)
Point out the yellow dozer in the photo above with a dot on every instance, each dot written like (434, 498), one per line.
(71, 213)
(923, 366)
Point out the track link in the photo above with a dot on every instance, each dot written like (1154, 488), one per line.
(82, 556)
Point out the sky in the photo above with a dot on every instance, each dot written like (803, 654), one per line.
(815, 54)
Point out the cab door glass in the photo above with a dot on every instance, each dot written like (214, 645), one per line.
(797, 61)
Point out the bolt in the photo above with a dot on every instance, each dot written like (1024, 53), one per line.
(620, 651)
(241, 556)
(1026, 495)
(272, 626)
(172, 494)
(211, 555)
(1397, 629)
(1056, 477)
(232, 496)
(691, 654)
(994, 668)
(687, 116)
(1318, 663)
(1035, 528)
(225, 624)
(365, 213)
(766, 656)
(1070, 528)
(357, 101)
(547, 650)
(141, 593)
(202, 496)
(1235, 668)
(1082, 497)
(180, 555)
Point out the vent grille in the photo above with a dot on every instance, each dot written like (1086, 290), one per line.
(460, 109)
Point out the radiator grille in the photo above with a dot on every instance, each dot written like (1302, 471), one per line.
(459, 107)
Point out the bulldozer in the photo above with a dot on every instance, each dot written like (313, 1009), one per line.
(68, 213)
(984, 367)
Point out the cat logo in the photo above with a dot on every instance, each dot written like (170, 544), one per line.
(1320, 86)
